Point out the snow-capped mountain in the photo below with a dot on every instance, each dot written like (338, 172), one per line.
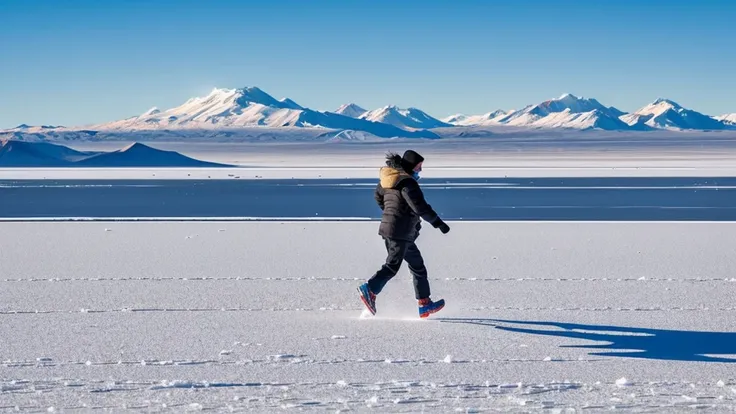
(567, 111)
(250, 114)
(352, 110)
(532, 115)
(221, 108)
(454, 119)
(409, 118)
(249, 107)
(594, 119)
(729, 119)
(489, 118)
(667, 114)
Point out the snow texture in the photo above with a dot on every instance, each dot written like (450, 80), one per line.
(264, 317)
(728, 118)
(490, 118)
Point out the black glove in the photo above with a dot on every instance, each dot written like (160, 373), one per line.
(439, 224)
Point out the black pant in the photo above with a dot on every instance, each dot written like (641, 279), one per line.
(398, 251)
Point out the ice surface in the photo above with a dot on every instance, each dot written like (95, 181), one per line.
(264, 316)
(539, 198)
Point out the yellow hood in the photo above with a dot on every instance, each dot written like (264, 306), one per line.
(391, 176)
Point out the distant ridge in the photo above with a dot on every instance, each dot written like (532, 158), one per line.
(251, 114)
(14, 153)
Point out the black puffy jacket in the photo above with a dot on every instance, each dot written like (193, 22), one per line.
(399, 196)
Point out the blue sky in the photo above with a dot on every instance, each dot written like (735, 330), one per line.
(75, 62)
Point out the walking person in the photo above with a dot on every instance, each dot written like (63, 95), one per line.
(401, 199)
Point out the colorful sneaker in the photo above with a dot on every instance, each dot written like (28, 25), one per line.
(368, 298)
(427, 307)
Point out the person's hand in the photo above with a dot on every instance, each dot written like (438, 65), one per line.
(444, 228)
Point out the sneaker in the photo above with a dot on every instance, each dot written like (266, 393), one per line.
(368, 298)
(427, 307)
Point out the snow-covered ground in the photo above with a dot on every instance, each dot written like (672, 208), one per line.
(264, 317)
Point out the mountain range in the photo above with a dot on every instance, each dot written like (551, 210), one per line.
(14, 153)
(250, 111)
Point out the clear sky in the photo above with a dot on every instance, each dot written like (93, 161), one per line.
(75, 62)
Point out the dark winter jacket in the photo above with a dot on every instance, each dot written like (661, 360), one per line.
(399, 196)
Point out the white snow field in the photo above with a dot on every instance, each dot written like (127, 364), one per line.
(264, 317)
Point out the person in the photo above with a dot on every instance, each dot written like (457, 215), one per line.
(402, 201)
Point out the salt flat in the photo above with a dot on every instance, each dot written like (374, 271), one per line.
(686, 155)
(264, 316)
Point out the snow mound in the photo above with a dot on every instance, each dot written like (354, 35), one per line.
(43, 155)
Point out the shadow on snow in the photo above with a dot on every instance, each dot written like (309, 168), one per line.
(646, 343)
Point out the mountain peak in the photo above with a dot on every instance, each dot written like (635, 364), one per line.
(489, 118)
(243, 97)
(409, 118)
(667, 114)
(352, 110)
(244, 89)
(568, 97)
(135, 147)
(349, 105)
(152, 111)
(565, 103)
(665, 101)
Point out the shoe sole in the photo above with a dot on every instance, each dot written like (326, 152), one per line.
(365, 302)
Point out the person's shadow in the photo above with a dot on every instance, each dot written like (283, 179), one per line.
(644, 343)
